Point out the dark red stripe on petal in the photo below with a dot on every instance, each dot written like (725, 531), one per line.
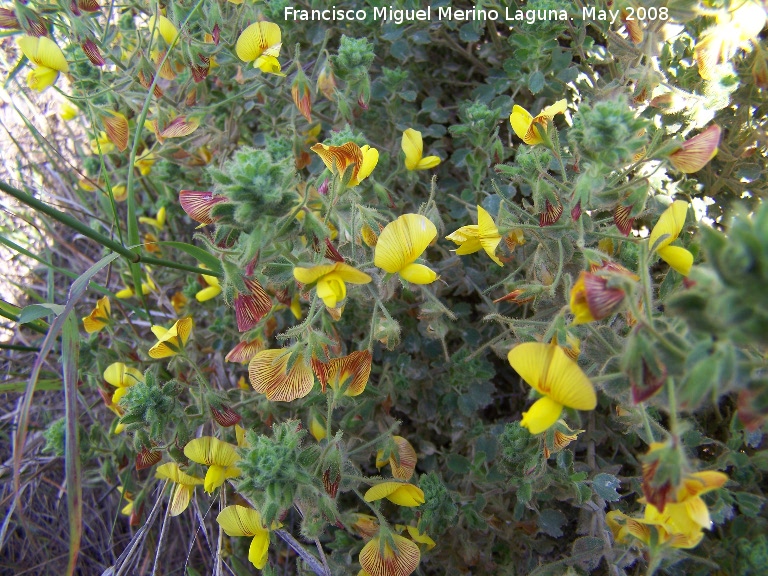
(551, 214)
(622, 220)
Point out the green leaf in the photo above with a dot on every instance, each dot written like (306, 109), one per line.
(605, 486)
(458, 463)
(536, 82)
(199, 254)
(551, 522)
(35, 311)
(749, 504)
(70, 352)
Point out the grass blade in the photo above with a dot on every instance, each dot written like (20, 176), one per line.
(70, 349)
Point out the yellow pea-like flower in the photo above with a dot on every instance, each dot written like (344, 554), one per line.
(529, 128)
(241, 521)
(401, 243)
(547, 369)
(171, 340)
(99, 316)
(338, 159)
(185, 486)
(400, 493)
(330, 279)
(666, 231)
(47, 59)
(219, 456)
(413, 147)
(481, 236)
(260, 43)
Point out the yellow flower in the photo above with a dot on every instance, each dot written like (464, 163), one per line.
(166, 28)
(379, 558)
(401, 243)
(483, 235)
(146, 288)
(269, 374)
(145, 162)
(243, 352)
(416, 536)
(413, 147)
(102, 144)
(47, 59)
(67, 112)
(241, 521)
(354, 368)
(158, 222)
(121, 377)
(171, 340)
(260, 43)
(669, 226)
(591, 296)
(185, 486)
(525, 125)
(402, 460)
(219, 456)
(120, 193)
(338, 159)
(400, 493)
(549, 371)
(696, 152)
(99, 316)
(211, 291)
(317, 425)
(330, 280)
(623, 526)
(735, 28)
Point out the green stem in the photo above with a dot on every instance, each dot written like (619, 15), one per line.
(647, 425)
(68, 220)
(672, 399)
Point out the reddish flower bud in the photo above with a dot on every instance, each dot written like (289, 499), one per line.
(551, 214)
(147, 458)
(225, 417)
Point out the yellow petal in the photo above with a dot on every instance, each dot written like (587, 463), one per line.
(407, 457)
(549, 370)
(42, 51)
(268, 374)
(214, 478)
(165, 27)
(240, 521)
(258, 552)
(521, 120)
(40, 78)
(670, 223)
(700, 483)
(428, 162)
(114, 374)
(340, 158)
(403, 241)
(180, 499)
(172, 472)
(418, 274)
(370, 159)
(541, 415)
(413, 147)
(351, 274)
(398, 492)
(355, 368)
(257, 38)
(268, 65)
(208, 293)
(549, 112)
(313, 274)
(677, 257)
(211, 451)
(417, 536)
(331, 289)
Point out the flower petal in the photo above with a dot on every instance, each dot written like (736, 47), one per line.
(677, 257)
(116, 127)
(258, 552)
(413, 147)
(198, 204)
(428, 162)
(238, 520)
(549, 370)
(180, 499)
(521, 121)
(370, 159)
(541, 415)
(355, 366)
(400, 493)
(696, 152)
(377, 558)
(268, 374)
(251, 308)
(313, 274)
(670, 223)
(244, 351)
(407, 457)
(211, 451)
(403, 241)
(43, 51)
(256, 39)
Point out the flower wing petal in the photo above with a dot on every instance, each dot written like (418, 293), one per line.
(541, 415)
(413, 147)
(238, 520)
(677, 257)
(268, 374)
(670, 223)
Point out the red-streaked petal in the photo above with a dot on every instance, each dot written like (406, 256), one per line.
(551, 214)
(116, 127)
(244, 351)
(622, 219)
(250, 308)
(180, 127)
(92, 52)
(146, 458)
(198, 204)
(269, 374)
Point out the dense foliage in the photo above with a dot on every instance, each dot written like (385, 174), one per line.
(472, 294)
